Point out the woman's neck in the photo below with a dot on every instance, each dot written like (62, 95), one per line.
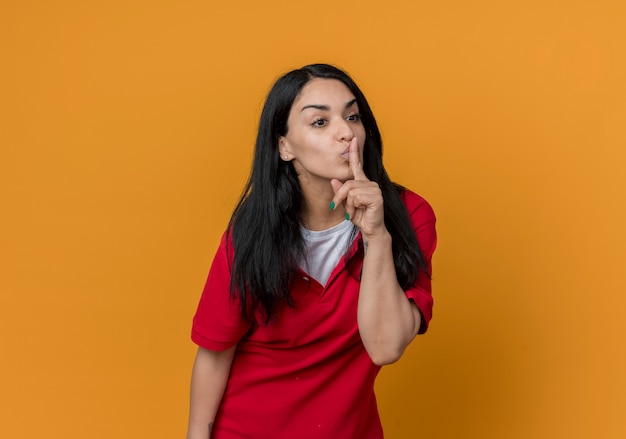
(316, 212)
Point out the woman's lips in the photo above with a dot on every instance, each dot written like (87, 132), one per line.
(346, 153)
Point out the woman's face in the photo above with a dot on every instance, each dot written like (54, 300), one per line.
(322, 121)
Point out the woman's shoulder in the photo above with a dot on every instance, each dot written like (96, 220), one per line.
(415, 203)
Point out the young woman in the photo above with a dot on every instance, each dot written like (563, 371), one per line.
(322, 276)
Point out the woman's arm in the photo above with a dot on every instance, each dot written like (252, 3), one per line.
(387, 319)
(208, 380)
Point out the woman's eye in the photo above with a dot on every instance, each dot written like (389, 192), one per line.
(319, 122)
(354, 118)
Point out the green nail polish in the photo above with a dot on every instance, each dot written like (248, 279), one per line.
(348, 216)
(332, 205)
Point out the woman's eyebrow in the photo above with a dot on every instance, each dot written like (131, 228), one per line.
(326, 107)
(317, 107)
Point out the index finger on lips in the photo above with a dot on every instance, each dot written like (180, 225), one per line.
(354, 158)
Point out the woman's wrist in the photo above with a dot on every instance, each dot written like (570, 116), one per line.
(375, 239)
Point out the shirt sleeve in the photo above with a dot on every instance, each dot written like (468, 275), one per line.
(218, 324)
(423, 219)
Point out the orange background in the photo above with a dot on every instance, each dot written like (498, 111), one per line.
(127, 129)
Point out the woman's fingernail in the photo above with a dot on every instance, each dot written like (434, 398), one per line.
(347, 216)
(332, 205)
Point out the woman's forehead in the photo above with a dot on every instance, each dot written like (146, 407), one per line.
(323, 92)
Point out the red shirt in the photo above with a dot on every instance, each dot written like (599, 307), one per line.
(306, 374)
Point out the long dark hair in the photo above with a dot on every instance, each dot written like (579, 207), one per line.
(265, 225)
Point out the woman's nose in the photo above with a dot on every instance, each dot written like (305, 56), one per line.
(345, 132)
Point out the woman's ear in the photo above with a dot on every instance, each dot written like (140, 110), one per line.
(283, 149)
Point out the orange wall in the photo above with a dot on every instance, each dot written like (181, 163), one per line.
(126, 130)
